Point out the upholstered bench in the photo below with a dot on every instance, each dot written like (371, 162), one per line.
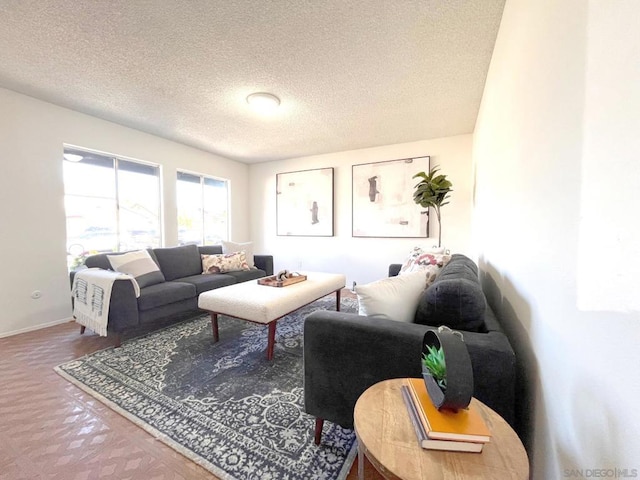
(266, 304)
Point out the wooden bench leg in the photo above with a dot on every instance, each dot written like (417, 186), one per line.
(318, 432)
(214, 326)
(271, 339)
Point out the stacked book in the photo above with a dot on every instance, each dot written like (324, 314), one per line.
(461, 431)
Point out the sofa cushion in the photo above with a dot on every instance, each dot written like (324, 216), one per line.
(246, 275)
(210, 249)
(460, 266)
(204, 283)
(394, 297)
(139, 265)
(178, 262)
(227, 262)
(455, 299)
(164, 294)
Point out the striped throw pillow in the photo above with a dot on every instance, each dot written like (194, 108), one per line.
(139, 265)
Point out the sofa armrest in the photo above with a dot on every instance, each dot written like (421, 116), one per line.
(123, 305)
(72, 275)
(344, 354)
(264, 262)
(394, 269)
(494, 371)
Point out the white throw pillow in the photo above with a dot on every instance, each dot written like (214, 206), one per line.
(395, 297)
(139, 265)
(247, 248)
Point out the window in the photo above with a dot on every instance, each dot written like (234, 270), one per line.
(203, 209)
(111, 204)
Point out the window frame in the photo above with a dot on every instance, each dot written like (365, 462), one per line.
(116, 159)
(202, 177)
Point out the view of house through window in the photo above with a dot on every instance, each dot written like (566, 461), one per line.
(203, 209)
(111, 204)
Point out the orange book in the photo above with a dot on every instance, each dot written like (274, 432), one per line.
(463, 425)
(428, 443)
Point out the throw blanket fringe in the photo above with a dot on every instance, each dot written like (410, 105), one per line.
(91, 292)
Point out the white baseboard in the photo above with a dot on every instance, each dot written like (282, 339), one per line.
(36, 327)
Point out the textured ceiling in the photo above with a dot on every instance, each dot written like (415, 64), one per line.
(350, 73)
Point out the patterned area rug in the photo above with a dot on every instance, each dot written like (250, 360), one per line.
(223, 405)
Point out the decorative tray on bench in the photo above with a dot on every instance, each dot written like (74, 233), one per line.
(273, 281)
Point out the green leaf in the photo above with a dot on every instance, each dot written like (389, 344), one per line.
(432, 191)
(434, 362)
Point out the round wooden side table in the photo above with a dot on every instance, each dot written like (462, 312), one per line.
(387, 438)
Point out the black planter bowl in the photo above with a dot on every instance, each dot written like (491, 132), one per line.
(459, 372)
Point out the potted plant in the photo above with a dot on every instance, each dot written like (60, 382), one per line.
(433, 361)
(446, 369)
(432, 191)
(79, 259)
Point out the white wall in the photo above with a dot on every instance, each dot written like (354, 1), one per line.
(555, 151)
(612, 141)
(361, 259)
(33, 236)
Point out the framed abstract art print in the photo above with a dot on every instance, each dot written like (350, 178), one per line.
(383, 203)
(304, 203)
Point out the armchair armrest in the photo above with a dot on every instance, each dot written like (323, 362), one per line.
(264, 262)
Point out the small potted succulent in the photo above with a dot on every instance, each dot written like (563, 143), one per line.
(436, 367)
(446, 369)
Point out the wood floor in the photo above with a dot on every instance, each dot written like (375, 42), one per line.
(50, 429)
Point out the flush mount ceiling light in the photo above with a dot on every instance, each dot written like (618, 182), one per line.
(263, 102)
(72, 157)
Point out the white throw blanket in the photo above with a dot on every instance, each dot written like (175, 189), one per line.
(91, 294)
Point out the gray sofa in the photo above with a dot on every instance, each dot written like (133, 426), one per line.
(177, 296)
(344, 353)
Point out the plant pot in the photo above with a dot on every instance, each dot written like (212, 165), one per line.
(459, 389)
(436, 394)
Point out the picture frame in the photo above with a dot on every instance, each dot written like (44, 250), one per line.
(382, 199)
(304, 203)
